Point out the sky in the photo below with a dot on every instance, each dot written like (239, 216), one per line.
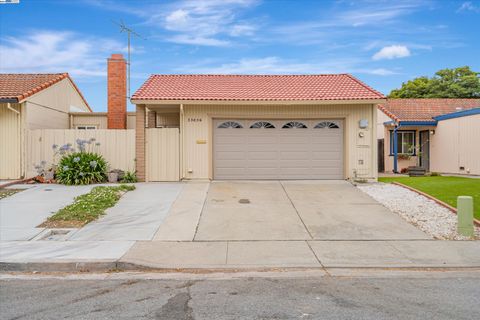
(383, 43)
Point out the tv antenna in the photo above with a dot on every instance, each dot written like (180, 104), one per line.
(129, 32)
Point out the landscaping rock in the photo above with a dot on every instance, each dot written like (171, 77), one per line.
(427, 215)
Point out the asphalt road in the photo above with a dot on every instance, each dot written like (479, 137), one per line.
(247, 298)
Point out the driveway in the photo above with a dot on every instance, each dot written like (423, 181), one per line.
(297, 210)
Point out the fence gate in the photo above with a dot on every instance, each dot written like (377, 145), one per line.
(162, 154)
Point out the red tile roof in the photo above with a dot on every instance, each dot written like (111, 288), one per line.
(18, 86)
(255, 88)
(424, 109)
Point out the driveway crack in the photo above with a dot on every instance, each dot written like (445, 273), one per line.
(298, 214)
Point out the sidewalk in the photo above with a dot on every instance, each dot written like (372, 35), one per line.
(239, 255)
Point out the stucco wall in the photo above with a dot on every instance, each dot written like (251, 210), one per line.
(49, 108)
(455, 144)
(196, 124)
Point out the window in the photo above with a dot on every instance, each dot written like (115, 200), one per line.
(230, 124)
(294, 124)
(86, 127)
(327, 124)
(405, 142)
(262, 124)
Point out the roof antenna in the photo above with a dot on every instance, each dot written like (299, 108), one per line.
(129, 31)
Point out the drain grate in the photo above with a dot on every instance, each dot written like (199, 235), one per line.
(55, 235)
(244, 201)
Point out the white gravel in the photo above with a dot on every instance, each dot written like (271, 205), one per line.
(427, 215)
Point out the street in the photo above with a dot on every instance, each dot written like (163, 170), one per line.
(436, 295)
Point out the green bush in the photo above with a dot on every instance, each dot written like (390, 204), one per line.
(81, 168)
(129, 177)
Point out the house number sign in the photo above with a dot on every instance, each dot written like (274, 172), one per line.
(194, 120)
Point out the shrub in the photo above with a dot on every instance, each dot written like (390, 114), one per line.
(81, 168)
(129, 177)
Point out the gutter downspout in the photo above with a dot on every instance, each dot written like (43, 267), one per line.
(395, 148)
(9, 107)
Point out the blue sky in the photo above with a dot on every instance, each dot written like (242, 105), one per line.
(384, 43)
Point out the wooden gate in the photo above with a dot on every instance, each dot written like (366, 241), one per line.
(162, 154)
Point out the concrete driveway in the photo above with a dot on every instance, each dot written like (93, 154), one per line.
(297, 210)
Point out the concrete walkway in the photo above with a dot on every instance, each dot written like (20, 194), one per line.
(136, 216)
(304, 254)
(21, 213)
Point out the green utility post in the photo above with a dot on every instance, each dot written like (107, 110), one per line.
(465, 216)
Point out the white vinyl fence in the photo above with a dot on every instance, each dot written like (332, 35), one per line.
(116, 146)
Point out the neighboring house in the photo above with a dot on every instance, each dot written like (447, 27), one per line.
(33, 101)
(440, 135)
(257, 126)
(97, 120)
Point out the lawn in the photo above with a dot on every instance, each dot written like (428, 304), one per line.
(87, 207)
(446, 189)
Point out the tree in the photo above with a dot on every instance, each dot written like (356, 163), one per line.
(447, 83)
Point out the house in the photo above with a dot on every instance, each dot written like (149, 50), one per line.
(440, 135)
(33, 101)
(256, 127)
(30, 103)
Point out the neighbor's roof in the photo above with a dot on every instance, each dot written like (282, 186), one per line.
(18, 86)
(424, 109)
(255, 88)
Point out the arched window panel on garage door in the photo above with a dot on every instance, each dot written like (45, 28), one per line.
(327, 125)
(294, 124)
(262, 125)
(230, 124)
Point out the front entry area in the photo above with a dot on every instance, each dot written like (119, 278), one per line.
(272, 149)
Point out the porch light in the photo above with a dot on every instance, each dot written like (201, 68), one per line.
(432, 132)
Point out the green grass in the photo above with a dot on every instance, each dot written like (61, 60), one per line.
(92, 205)
(446, 189)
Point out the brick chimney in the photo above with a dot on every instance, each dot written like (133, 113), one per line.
(117, 92)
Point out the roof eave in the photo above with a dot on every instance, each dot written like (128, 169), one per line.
(8, 100)
(256, 102)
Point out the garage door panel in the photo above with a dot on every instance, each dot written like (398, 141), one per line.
(325, 155)
(330, 163)
(292, 153)
(230, 139)
(230, 155)
(261, 139)
(261, 164)
(262, 155)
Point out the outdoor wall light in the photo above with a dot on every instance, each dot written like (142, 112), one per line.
(432, 132)
(363, 123)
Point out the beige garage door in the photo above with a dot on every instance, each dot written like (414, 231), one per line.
(278, 149)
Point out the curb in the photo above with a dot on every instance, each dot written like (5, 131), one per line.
(440, 202)
(87, 266)
(117, 266)
(21, 181)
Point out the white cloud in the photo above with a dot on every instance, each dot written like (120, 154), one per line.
(203, 22)
(468, 6)
(57, 51)
(392, 52)
(276, 65)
